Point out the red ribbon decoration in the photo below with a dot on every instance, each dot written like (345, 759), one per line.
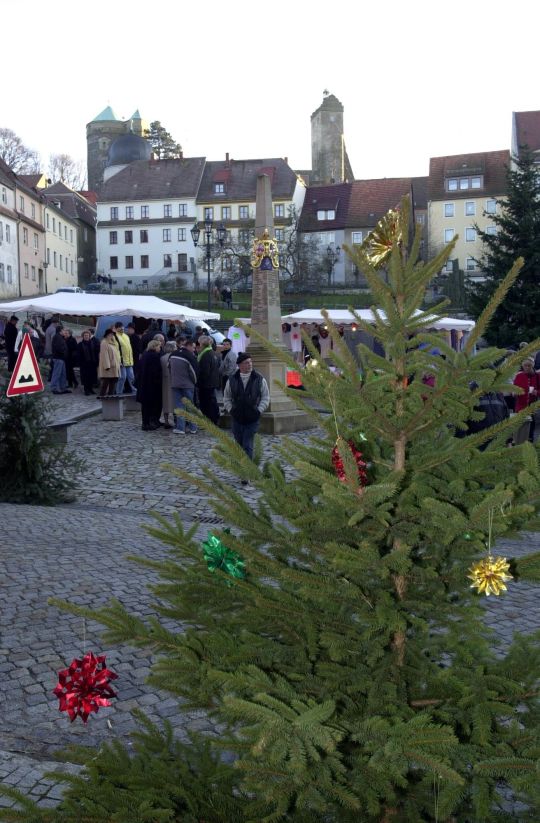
(84, 686)
(339, 468)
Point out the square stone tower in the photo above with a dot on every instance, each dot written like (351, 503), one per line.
(329, 161)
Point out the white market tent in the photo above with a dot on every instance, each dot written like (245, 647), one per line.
(99, 305)
(344, 317)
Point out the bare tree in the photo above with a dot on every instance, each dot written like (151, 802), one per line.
(18, 157)
(64, 169)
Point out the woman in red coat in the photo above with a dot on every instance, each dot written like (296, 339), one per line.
(528, 380)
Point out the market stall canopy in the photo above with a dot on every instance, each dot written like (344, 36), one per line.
(344, 317)
(99, 305)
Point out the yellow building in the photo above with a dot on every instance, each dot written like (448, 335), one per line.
(462, 194)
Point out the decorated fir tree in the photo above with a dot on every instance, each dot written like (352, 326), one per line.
(336, 631)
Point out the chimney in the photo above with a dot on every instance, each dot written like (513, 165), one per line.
(286, 160)
(227, 159)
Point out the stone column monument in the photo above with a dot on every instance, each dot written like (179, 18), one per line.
(282, 416)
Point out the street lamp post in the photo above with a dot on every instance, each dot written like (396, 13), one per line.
(332, 256)
(221, 233)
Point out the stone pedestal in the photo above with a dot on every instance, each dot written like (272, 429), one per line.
(130, 403)
(112, 407)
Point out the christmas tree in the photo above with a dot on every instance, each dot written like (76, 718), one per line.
(333, 631)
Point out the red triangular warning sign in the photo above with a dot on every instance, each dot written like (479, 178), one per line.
(26, 377)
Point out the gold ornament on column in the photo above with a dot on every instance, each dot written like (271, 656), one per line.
(265, 254)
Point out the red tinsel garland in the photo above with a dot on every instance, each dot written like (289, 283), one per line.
(84, 686)
(339, 468)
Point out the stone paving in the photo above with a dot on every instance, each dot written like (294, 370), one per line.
(77, 552)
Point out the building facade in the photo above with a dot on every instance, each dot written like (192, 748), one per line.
(31, 237)
(9, 253)
(82, 214)
(462, 196)
(144, 216)
(61, 253)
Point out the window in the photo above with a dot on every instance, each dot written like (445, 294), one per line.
(1, 272)
(144, 261)
(33, 211)
(470, 208)
(48, 255)
(357, 238)
(219, 188)
(226, 264)
(33, 272)
(167, 211)
(448, 209)
(4, 195)
(60, 267)
(144, 236)
(463, 183)
(71, 267)
(489, 229)
(145, 211)
(21, 203)
(491, 207)
(244, 236)
(114, 212)
(36, 242)
(54, 225)
(25, 236)
(128, 237)
(182, 210)
(448, 235)
(47, 220)
(113, 238)
(71, 235)
(8, 234)
(26, 271)
(327, 237)
(85, 233)
(471, 264)
(54, 260)
(279, 210)
(280, 235)
(59, 229)
(452, 184)
(129, 212)
(470, 235)
(326, 214)
(113, 262)
(243, 212)
(182, 262)
(420, 219)
(225, 212)
(209, 213)
(476, 182)
(166, 235)
(167, 261)
(9, 274)
(181, 235)
(129, 262)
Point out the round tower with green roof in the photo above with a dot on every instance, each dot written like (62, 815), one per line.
(100, 133)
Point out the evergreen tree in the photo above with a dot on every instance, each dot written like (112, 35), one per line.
(517, 318)
(345, 656)
(163, 144)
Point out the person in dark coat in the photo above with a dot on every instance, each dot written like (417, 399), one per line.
(71, 359)
(88, 358)
(209, 379)
(10, 337)
(149, 386)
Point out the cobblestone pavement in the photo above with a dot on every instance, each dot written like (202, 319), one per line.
(77, 552)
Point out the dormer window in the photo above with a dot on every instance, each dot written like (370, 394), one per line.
(219, 188)
(326, 214)
(464, 183)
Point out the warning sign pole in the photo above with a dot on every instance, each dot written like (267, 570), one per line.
(26, 377)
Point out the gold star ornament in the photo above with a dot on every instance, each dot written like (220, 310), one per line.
(379, 242)
(489, 575)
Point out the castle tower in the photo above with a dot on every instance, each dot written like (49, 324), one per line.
(100, 134)
(329, 160)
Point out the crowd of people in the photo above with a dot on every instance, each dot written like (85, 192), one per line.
(161, 370)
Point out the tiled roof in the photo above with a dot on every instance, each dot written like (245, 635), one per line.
(242, 180)
(420, 192)
(527, 129)
(490, 164)
(72, 204)
(30, 180)
(154, 180)
(7, 177)
(371, 199)
(322, 198)
(91, 196)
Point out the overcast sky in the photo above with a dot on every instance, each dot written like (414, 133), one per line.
(417, 79)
